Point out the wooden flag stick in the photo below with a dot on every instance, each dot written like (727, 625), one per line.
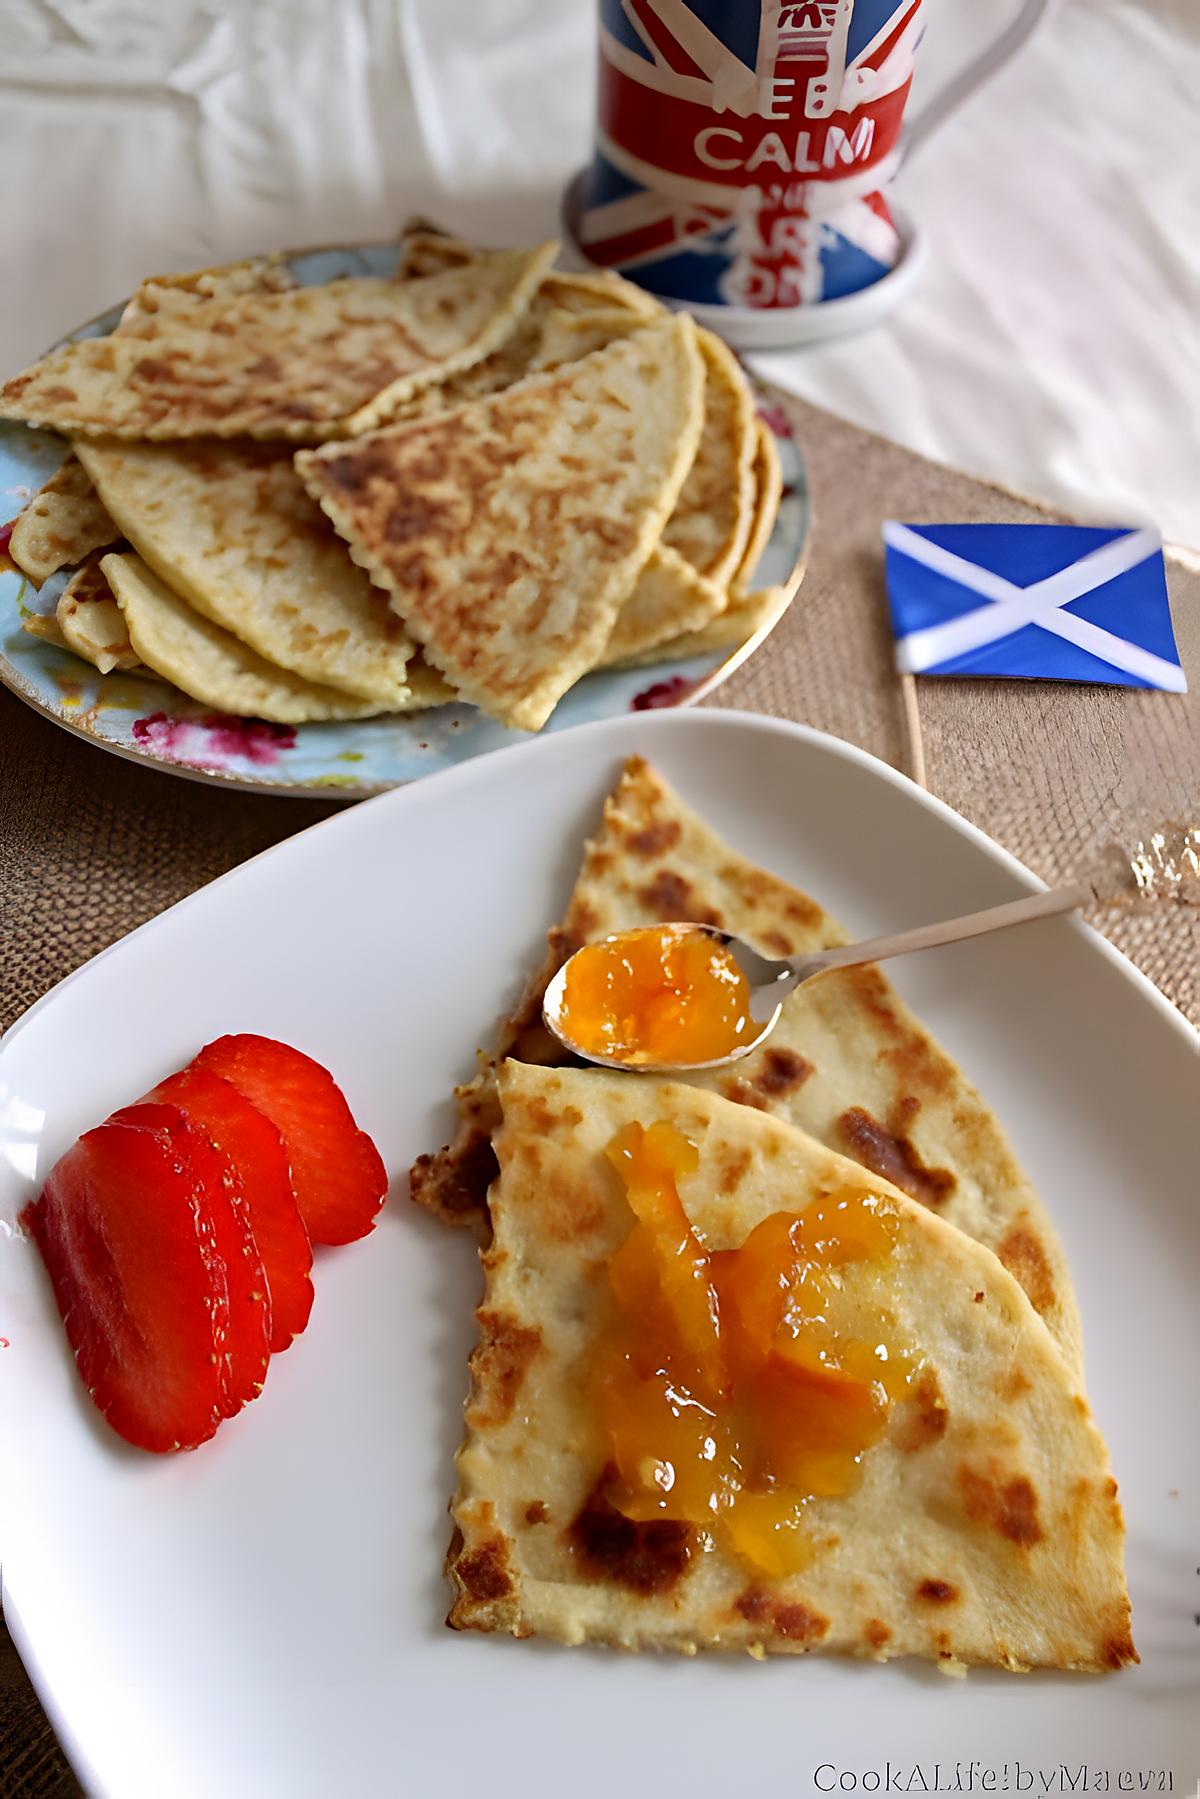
(912, 726)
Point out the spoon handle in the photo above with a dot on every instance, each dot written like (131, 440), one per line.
(953, 930)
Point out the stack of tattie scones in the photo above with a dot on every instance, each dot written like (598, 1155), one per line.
(779, 1357)
(520, 475)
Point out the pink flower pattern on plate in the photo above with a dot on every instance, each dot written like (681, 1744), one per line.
(214, 740)
(671, 692)
(776, 419)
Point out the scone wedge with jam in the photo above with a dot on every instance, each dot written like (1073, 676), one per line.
(734, 1392)
(848, 1062)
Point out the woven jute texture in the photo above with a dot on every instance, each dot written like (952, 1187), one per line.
(1102, 782)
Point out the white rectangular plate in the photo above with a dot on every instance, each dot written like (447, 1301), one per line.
(265, 1616)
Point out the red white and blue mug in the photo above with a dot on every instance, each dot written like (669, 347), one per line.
(744, 150)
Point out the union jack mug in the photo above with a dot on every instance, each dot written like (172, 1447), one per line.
(743, 154)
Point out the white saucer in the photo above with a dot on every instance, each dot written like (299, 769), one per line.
(786, 327)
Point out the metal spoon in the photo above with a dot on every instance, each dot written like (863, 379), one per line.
(770, 982)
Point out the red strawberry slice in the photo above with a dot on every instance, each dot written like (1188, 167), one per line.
(337, 1175)
(252, 1143)
(244, 1337)
(122, 1224)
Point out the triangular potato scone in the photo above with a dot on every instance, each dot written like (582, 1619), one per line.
(713, 515)
(158, 297)
(91, 621)
(848, 1062)
(63, 523)
(568, 317)
(424, 250)
(230, 529)
(668, 599)
(572, 315)
(768, 491)
(87, 621)
(166, 636)
(305, 364)
(983, 1528)
(734, 625)
(509, 531)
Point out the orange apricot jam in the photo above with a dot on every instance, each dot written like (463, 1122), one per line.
(667, 993)
(734, 1386)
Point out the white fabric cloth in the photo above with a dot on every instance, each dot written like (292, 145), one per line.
(1052, 344)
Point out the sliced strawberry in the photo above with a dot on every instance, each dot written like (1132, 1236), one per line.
(122, 1227)
(254, 1146)
(337, 1175)
(243, 1346)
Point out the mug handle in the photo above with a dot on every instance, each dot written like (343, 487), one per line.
(960, 87)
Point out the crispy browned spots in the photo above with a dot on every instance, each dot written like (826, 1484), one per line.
(917, 1062)
(734, 1168)
(782, 1072)
(499, 1363)
(756, 888)
(1023, 1256)
(656, 838)
(669, 896)
(876, 1633)
(537, 1512)
(923, 1416)
(777, 942)
(545, 1121)
(894, 1158)
(978, 1298)
(804, 910)
(483, 1571)
(647, 1558)
(799, 1624)
(1009, 1506)
(568, 1208)
(1013, 1384)
(937, 1592)
(531, 1155)
(791, 1619)
(742, 1093)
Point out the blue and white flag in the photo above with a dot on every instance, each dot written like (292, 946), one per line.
(1047, 602)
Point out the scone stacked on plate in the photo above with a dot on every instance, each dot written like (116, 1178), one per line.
(782, 1356)
(519, 475)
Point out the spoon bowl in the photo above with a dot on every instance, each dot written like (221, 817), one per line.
(769, 982)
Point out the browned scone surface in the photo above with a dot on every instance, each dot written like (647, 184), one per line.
(985, 1527)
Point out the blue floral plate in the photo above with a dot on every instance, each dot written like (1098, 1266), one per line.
(147, 719)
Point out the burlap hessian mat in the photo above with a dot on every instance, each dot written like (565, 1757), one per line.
(1095, 781)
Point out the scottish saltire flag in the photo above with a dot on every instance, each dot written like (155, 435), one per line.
(1047, 602)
